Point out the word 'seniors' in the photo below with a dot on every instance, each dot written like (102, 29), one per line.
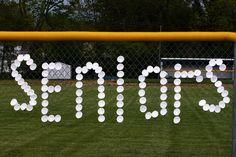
(81, 71)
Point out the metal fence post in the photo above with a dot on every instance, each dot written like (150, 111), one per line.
(234, 106)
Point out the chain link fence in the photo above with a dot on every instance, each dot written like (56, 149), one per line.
(188, 103)
(137, 55)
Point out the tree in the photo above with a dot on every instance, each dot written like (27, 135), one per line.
(138, 15)
(10, 18)
(221, 15)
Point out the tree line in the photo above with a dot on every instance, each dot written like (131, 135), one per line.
(118, 15)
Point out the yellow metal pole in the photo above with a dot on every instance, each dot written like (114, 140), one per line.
(118, 36)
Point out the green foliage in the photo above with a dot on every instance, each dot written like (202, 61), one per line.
(118, 15)
(11, 19)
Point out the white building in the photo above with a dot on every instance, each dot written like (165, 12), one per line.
(64, 73)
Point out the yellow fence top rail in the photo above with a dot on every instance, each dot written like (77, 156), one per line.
(117, 36)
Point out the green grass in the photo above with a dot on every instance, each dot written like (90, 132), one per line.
(200, 134)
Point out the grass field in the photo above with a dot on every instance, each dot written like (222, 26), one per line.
(200, 134)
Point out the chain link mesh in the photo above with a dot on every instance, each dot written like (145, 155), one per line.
(138, 56)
